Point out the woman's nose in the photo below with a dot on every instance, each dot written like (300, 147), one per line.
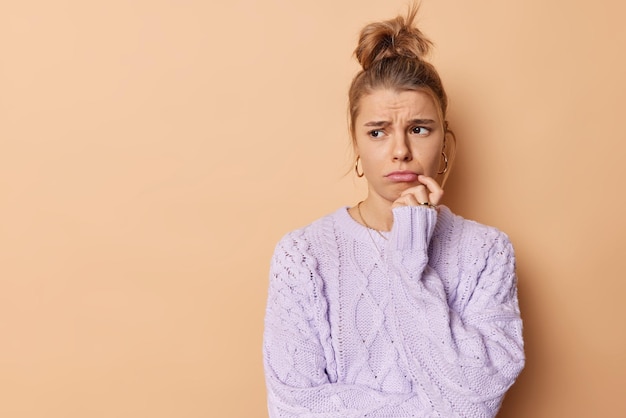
(401, 151)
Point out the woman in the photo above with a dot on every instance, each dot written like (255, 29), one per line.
(394, 307)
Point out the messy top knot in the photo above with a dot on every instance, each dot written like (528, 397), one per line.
(391, 39)
(392, 54)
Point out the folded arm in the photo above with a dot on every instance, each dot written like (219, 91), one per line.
(296, 361)
(472, 352)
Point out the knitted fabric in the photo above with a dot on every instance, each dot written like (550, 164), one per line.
(423, 324)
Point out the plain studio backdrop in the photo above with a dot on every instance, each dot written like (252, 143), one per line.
(153, 152)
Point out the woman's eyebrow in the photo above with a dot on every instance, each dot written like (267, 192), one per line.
(422, 121)
(378, 124)
(382, 123)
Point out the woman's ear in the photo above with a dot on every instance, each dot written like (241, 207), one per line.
(355, 145)
(449, 149)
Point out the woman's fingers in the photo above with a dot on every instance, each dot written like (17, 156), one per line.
(407, 199)
(435, 190)
(429, 192)
(419, 192)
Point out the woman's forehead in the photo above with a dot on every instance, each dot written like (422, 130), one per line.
(390, 102)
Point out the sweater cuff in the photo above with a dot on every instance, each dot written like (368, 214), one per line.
(413, 227)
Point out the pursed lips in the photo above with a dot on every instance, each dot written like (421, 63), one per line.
(402, 176)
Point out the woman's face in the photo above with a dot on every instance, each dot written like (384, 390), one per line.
(398, 136)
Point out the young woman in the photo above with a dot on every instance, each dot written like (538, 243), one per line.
(394, 307)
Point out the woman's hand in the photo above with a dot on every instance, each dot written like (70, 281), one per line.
(428, 193)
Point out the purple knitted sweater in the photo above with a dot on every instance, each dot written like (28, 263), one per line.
(423, 324)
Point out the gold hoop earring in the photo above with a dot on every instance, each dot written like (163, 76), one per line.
(356, 168)
(445, 160)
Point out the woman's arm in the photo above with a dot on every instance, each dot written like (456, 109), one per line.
(472, 353)
(295, 358)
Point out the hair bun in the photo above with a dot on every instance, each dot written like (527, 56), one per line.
(391, 38)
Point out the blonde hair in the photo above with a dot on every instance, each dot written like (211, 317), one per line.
(392, 54)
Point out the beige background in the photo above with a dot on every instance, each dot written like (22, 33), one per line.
(153, 152)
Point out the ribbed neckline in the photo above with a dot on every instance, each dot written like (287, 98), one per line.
(360, 232)
(355, 229)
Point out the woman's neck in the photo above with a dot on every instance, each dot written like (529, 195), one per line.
(374, 213)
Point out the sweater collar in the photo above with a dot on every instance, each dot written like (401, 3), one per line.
(351, 227)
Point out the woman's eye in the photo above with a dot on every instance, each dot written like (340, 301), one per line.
(375, 133)
(420, 130)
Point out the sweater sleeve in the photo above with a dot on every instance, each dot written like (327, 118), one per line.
(295, 359)
(468, 353)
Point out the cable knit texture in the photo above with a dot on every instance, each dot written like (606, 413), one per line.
(423, 324)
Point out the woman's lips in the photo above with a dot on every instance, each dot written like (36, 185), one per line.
(402, 176)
